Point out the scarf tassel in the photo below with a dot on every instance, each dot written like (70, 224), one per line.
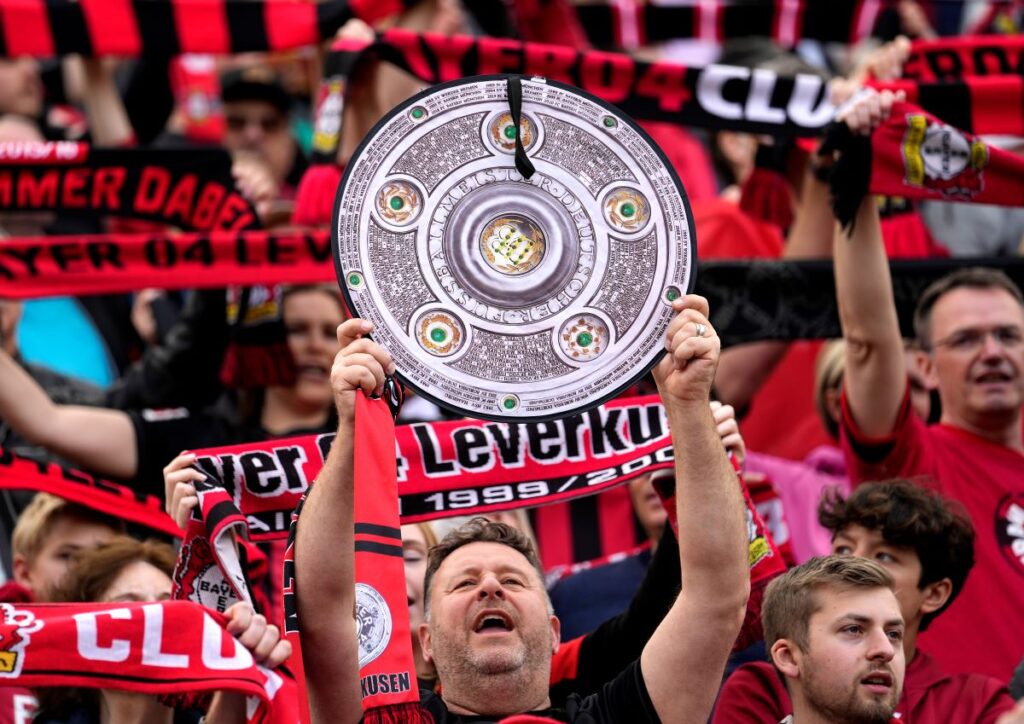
(851, 174)
(407, 713)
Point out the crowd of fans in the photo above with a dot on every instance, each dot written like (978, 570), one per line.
(889, 472)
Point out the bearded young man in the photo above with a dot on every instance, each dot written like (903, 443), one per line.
(927, 546)
(970, 326)
(489, 630)
(834, 631)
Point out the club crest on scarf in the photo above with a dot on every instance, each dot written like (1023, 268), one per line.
(1010, 529)
(373, 623)
(15, 630)
(758, 547)
(939, 157)
(201, 579)
(330, 103)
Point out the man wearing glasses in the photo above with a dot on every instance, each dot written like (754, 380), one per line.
(970, 326)
(256, 115)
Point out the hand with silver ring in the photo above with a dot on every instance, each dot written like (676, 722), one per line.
(687, 372)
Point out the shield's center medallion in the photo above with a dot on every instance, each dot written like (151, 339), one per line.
(512, 244)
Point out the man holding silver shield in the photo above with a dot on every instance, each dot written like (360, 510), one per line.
(489, 628)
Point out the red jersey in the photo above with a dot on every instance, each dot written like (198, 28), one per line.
(755, 693)
(983, 630)
(17, 705)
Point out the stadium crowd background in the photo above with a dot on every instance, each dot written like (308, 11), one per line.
(82, 381)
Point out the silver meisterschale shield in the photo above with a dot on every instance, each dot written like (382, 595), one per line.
(505, 297)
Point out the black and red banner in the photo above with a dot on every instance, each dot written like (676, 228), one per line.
(714, 96)
(116, 263)
(49, 28)
(793, 290)
(952, 59)
(443, 468)
(459, 467)
(976, 104)
(21, 472)
(916, 156)
(632, 24)
(191, 190)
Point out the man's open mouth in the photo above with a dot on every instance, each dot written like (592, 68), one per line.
(493, 622)
(878, 681)
(993, 376)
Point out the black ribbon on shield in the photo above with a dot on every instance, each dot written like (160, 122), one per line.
(515, 106)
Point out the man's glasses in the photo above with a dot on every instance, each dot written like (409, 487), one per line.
(970, 340)
(267, 123)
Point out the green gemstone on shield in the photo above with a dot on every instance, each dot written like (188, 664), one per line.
(672, 294)
(610, 122)
(418, 113)
(509, 403)
(354, 279)
(628, 209)
(396, 202)
(510, 132)
(438, 335)
(583, 339)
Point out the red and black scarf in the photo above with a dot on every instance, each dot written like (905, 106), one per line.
(387, 675)
(210, 569)
(460, 467)
(48, 28)
(24, 472)
(952, 59)
(799, 290)
(168, 647)
(915, 155)
(191, 190)
(633, 24)
(218, 567)
(118, 263)
(715, 96)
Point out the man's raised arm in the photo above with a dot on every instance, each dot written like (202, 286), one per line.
(324, 543)
(683, 662)
(876, 374)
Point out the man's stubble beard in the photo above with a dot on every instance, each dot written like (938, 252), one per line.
(456, 660)
(846, 707)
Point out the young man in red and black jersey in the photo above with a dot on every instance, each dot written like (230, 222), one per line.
(834, 630)
(927, 546)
